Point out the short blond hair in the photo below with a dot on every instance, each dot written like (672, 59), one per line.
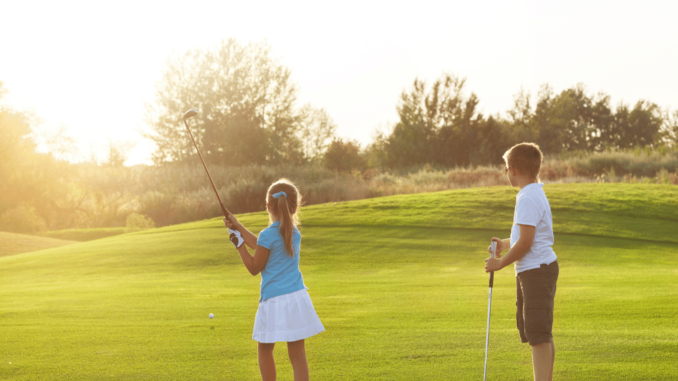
(526, 158)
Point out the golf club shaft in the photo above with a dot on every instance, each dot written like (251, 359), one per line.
(489, 310)
(223, 208)
(487, 336)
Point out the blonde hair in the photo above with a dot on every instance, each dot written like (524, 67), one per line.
(526, 158)
(285, 208)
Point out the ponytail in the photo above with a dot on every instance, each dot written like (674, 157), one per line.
(286, 224)
(283, 201)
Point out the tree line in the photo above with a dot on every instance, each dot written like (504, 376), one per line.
(439, 124)
(248, 115)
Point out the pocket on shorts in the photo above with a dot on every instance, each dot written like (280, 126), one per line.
(537, 290)
(538, 323)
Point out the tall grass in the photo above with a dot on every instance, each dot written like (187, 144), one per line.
(188, 195)
(639, 163)
(104, 197)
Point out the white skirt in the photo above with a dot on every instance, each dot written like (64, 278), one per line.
(289, 317)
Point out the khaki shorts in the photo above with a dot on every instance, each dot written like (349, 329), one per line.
(536, 290)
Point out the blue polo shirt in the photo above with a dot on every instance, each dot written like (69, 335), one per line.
(281, 274)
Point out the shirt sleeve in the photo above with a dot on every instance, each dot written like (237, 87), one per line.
(265, 239)
(527, 212)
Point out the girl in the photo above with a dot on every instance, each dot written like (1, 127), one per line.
(285, 310)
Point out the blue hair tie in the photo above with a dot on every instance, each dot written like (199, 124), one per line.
(277, 195)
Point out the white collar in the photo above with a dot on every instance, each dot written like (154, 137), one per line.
(530, 186)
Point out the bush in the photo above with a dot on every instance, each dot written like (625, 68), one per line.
(137, 222)
(22, 219)
(159, 205)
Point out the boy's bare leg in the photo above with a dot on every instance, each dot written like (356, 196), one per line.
(542, 361)
(266, 361)
(553, 359)
(297, 353)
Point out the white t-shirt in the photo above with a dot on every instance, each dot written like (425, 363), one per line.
(533, 208)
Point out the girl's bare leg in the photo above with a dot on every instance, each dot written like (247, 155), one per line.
(297, 353)
(266, 361)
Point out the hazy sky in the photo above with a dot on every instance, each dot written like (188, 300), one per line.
(91, 66)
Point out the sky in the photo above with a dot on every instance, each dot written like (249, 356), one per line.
(91, 67)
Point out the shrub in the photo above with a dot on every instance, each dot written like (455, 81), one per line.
(136, 222)
(22, 219)
(673, 178)
(159, 205)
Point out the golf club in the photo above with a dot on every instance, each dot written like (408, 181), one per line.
(489, 309)
(191, 113)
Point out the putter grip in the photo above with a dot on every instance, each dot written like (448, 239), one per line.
(491, 279)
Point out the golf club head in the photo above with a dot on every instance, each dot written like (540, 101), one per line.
(190, 113)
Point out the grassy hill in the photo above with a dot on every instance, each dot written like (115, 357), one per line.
(12, 243)
(397, 281)
(84, 234)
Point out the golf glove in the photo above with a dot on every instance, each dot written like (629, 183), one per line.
(235, 237)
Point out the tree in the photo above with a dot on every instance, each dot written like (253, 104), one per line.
(520, 119)
(577, 121)
(245, 100)
(58, 142)
(569, 121)
(375, 153)
(410, 142)
(15, 136)
(670, 129)
(439, 125)
(316, 132)
(117, 153)
(343, 156)
(27, 178)
(17, 152)
(640, 126)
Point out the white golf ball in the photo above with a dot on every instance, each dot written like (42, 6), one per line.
(211, 316)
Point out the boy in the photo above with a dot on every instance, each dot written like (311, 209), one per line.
(530, 249)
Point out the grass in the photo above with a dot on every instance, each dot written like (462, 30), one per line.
(84, 234)
(12, 243)
(397, 282)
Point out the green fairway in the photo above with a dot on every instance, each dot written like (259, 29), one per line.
(12, 243)
(398, 283)
(84, 234)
